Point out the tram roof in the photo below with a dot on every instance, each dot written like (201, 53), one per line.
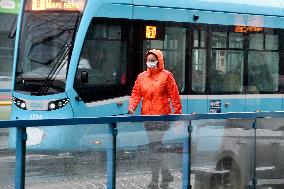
(255, 7)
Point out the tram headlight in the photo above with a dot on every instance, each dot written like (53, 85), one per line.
(19, 103)
(23, 105)
(53, 105)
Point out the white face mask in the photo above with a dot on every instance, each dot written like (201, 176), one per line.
(152, 64)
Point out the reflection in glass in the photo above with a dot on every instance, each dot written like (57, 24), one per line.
(235, 40)
(269, 139)
(256, 41)
(199, 38)
(195, 38)
(227, 71)
(263, 71)
(271, 42)
(222, 153)
(219, 39)
(198, 70)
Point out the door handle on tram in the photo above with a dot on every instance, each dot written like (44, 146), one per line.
(227, 104)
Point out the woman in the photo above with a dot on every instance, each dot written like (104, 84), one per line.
(156, 87)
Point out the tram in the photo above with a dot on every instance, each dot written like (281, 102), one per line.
(78, 58)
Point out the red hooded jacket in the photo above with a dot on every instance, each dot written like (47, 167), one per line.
(156, 88)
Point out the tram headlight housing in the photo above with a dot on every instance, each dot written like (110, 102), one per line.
(19, 103)
(54, 105)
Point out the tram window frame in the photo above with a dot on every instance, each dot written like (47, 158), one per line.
(95, 91)
(199, 69)
(221, 78)
(263, 77)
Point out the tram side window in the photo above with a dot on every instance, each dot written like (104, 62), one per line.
(198, 80)
(263, 62)
(103, 59)
(173, 46)
(227, 61)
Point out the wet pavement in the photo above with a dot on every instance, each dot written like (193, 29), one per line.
(130, 180)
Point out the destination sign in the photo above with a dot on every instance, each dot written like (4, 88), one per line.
(246, 29)
(67, 5)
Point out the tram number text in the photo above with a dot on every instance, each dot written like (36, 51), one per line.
(35, 116)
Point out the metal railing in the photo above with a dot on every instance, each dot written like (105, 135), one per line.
(21, 138)
(5, 90)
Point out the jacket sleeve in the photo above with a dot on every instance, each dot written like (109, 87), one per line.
(136, 95)
(173, 93)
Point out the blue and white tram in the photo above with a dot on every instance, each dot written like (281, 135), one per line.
(81, 58)
(77, 58)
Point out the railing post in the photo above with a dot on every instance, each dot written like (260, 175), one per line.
(186, 181)
(254, 179)
(20, 158)
(111, 159)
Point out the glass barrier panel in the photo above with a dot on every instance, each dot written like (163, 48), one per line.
(150, 154)
(222, 153)
(5, 112)
(72, 156)
(5, 109)
(7, 161)
(270, 153)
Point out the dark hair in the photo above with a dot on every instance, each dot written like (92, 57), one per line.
(148, 53)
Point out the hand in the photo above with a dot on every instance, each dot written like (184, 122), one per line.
(131, 111)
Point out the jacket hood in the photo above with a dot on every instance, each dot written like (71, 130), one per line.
(160, 57)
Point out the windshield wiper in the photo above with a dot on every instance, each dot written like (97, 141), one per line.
(59, 63)
(55, 69)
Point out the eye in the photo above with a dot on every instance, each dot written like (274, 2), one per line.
(151, 60)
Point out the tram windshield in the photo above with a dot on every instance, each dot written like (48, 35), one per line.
(44, 49)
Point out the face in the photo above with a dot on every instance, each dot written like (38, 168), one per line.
(151, 61)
